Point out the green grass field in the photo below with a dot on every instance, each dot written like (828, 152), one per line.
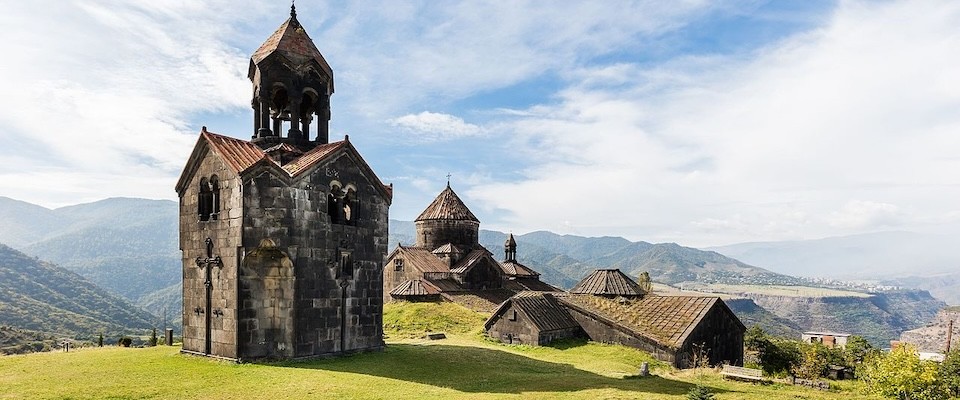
(464, 366)
(458, 368)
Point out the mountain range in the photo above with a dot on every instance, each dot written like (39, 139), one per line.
(39, 296)
(128, 247)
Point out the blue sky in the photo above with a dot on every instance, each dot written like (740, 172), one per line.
(702, 123)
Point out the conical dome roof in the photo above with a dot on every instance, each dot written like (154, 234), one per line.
(447, 206)
(608, 282)
(292, 41)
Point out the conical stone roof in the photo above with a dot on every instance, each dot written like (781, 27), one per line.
(292, 41)
(608, 282)
(447, 206)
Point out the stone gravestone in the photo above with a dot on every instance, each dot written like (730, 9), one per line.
(644, 369)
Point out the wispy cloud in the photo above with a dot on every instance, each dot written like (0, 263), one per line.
(436, 126)
(860, 108)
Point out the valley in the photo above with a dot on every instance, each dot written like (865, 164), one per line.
(127, 247)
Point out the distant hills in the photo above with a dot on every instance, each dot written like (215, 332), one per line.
(128, 246)
(39, 296)
(908, 259)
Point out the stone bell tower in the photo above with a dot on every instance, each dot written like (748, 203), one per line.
(283, 236)
(292, 84)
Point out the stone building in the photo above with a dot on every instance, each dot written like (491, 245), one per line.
(448, 262)
(607, 306)
(283, 236)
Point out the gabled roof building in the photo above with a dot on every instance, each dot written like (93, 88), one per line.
(283, 236)
(606, 307)
(448, 255)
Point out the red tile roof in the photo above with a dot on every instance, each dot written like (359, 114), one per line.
(238, 154)
(312, 157)
(447, 206)
(292, 41)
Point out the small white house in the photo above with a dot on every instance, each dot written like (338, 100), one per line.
(829, 339)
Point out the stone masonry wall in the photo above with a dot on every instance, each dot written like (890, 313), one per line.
(224, 232)
(334, 309)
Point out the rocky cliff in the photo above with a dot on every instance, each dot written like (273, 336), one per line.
(933, 337)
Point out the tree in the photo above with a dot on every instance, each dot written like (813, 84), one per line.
(153, 337)
(950, 372)
(857, 350)
(644, 281)
(901, 374)
(815, 357)
(100, 340)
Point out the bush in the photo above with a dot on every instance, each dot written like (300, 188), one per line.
(699, 392)
(950, 372)
(125, 341)
(902, 375)
(153, 337)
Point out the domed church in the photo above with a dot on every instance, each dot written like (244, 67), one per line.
(448, 263)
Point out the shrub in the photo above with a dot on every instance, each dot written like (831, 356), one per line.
(100, 340)
(901, 374)
(125, 341)
(699, 392)
(153, 337)
(950, 372)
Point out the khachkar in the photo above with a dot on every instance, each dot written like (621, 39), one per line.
(283, 236)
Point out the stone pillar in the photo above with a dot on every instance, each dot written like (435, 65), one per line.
(323, 124)
(263, 112)
(276, 124)
(294, 132)
(305, 126)
(256, 116)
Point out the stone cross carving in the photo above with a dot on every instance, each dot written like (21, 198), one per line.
(207, 264)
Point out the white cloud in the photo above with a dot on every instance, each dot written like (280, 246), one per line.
(766, 147)
(436, 126)
(100, 94)
(858, 214)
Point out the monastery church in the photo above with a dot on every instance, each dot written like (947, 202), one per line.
(284, 246)
(283, 236)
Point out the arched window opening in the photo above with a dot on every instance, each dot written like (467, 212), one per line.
(214, 197)
(334, 203)
(349, 206)
(204, 197)
(346, 263)
(398, 264)
(279, 108)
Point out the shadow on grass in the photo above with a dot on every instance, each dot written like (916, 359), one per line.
(481, 370)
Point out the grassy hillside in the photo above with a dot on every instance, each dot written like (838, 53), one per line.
(127, 246)
(39, 296)
(457, 368)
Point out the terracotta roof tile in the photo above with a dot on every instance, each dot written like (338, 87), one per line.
(447, 206)
(292, 41)
(610, 282)
(239, 154)
(312, 157)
